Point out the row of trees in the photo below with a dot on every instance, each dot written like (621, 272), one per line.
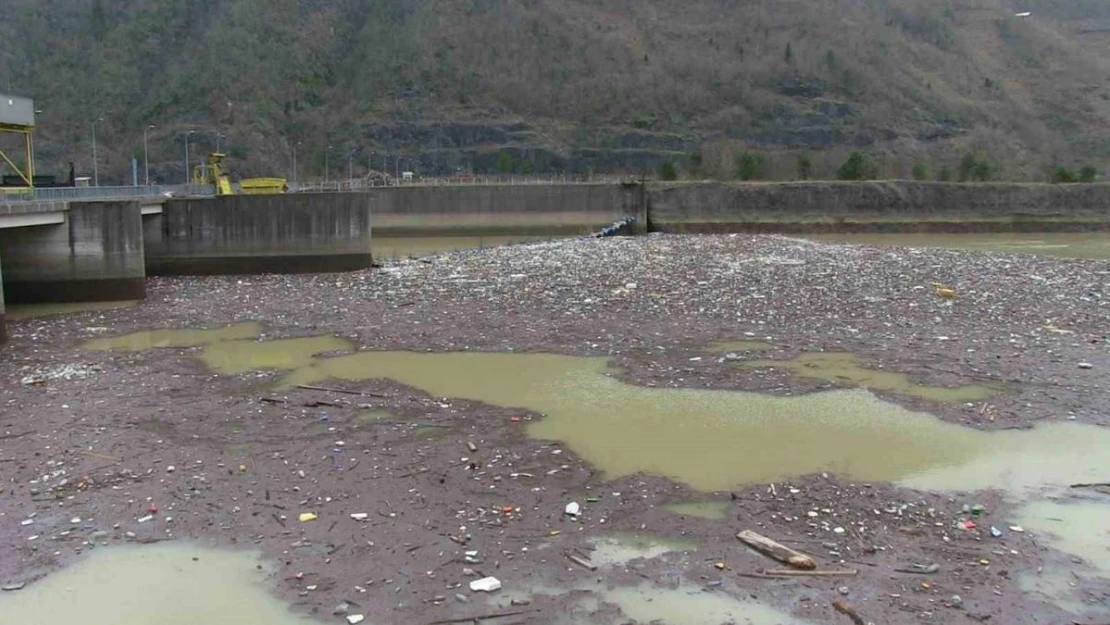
(752, 166)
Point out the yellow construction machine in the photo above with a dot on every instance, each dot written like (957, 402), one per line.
(212, 173)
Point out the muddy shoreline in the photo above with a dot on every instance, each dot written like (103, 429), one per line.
(97, 446)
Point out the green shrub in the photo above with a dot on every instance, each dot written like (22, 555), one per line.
(920, 171)
(1088, 174)
(668, 171)
(805, 167)
(974, 169)
(857, 167)
(749, 166)
(1063, 175)
(695, 161)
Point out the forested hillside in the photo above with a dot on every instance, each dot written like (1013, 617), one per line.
(437, 86)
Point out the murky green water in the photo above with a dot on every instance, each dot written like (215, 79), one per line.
(148, 585)
(17, 312)
(403, 247)
(1080, 528)
(711, 510)
(1065, 244)
(715, 440)
(712, 440)
(174, 337)
(235, 357)
(740, 346)
(844, 368)
(620, 549)
(683, 605)
(688, 605)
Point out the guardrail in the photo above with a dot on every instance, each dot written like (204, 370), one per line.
(62, 194)
(361, 184)
(336, 186)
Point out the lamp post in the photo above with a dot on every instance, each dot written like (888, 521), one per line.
(327, 163)
(350, 167)
(187, 135)
(295, 163)
(8, 55)
(219, 135)
(146, 157)
(96, 166)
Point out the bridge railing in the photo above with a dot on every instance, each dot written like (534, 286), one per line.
(103, 193)
(361, 184)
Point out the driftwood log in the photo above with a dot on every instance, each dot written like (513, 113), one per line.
(777, 551)
(849, 611)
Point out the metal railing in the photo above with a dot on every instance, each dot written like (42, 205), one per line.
(335, 186)
(56, 194)
(361, 184)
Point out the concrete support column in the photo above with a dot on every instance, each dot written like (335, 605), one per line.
(95, 255)
(3, 324)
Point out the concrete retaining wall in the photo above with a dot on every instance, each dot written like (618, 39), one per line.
(293, 233)
(877, 206)
(96, 255)
(501, 210)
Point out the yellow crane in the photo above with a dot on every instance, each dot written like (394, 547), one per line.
(212, 173)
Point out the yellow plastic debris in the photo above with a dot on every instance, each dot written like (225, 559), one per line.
(308, 516)
(944, 291)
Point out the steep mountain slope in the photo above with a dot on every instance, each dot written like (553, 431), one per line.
(564, 85)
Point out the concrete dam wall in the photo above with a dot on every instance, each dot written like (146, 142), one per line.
(547, 209)
(245, 234)
(896, 206)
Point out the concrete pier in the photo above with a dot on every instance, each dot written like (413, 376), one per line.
(246, 234)
(93, 253)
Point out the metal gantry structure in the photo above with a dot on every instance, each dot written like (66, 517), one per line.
(17, 117)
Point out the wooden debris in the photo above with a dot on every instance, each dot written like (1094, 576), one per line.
(849, 611)
(101, 456)
(582, 562)
(483, 617)
(1095, 485)
(326, 389)
(777, 551)
(793, 573)
(919, 569)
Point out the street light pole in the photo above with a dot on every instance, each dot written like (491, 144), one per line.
(295, 163)
(187, 135)
(96, 166)
(219, 135)
(327, 163)
(350, 167)
(146, 157)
